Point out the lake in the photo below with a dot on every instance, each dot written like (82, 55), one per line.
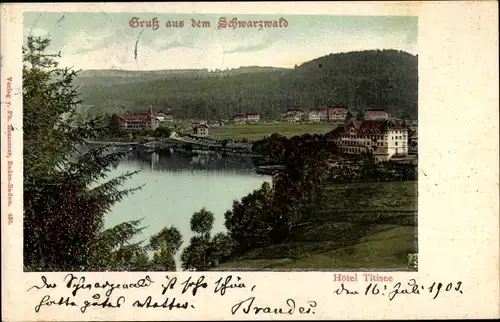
(177, 184)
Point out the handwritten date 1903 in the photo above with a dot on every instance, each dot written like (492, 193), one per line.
(409, 288)
(413, 288)
(248, 306)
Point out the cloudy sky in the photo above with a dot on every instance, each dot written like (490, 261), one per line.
(106, 41)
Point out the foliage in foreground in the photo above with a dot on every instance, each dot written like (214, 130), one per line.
(204, 251)
(66, 194)
(266, 216)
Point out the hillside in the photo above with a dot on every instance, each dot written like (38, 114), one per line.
(345, 231)
(359, 80)
(110, 77)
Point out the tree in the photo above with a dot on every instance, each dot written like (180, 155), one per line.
(163, 131)
(166, 244)
(114, 123)
(406, 116)
(250, 220)
(202, 222)
(163, 259)
(140, 262)
(169, 235)
(221, 246)
(66, 192)
(115, 251)
(267, 215)
(195, 256)
(360, 116)
(203, 251)
(348, 116)
(369, 170)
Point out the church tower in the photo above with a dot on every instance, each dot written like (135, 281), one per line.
(152, 119)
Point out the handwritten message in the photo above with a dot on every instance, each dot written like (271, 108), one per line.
(173, 293)
(222, 23)
(8, 154)
(78, 292)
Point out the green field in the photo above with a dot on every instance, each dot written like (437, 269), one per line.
(258, 131)
(369, 225)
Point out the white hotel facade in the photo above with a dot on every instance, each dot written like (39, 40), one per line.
(384, 138)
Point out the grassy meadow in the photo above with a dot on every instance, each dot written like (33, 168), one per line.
(353, 226)
(254, 132)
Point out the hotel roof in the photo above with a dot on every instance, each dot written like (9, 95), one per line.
(142, 116)
(374, 126)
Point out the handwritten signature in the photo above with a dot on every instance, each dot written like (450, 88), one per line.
(247, 306)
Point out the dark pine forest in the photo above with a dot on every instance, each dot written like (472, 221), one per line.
(359, 80)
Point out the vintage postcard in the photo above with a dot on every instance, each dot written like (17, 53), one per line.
(195, 161)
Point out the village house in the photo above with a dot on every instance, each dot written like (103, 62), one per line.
(376, 114)
(292, 116)
(160, 117)
(201, 129)
(383, 138)
(337, 114)
(196, 123)
(239, 119)
(165, 117)
(253, 117)
(318, 115)
(139, 122)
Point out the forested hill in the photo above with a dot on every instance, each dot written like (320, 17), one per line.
(109, 77)
(367, 79)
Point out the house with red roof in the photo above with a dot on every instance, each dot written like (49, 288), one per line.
(239, 118)
(376, 114)
(139, 122)
(337, 114)
(253, 117)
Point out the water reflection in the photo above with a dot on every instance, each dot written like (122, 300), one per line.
(174, 160)
(177, 183)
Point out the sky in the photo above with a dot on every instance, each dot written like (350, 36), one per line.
(106, 41)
